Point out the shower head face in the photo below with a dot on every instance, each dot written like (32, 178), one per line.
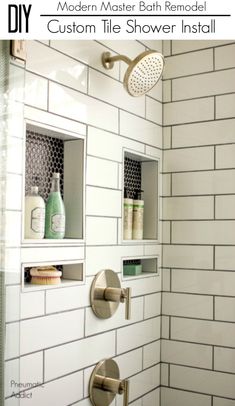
(143, 73)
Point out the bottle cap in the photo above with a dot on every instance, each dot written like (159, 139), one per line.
(137, 195)
(34, 189)
(56, 175)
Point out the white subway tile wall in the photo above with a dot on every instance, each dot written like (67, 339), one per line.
(52, 335)
(198, 300)
(58, 335)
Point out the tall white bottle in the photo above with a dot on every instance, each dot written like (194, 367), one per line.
(138, 216)
(34, 215)
(128, 213)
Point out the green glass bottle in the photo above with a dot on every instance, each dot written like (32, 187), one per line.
(55, 212)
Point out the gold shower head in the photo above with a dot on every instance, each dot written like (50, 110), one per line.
(142, 73)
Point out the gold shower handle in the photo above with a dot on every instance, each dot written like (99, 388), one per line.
(126, 392)
(127, 299)
(108, 60)
(115, 386)
(120, 295)
(105, 384)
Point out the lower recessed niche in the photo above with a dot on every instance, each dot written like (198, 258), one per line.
(72, 274)
(47, 150)
(139, 267)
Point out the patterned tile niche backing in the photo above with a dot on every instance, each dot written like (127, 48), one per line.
(132, 176)
(44, 155)
(132, 262)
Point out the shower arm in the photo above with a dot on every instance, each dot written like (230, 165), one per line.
(108, 60)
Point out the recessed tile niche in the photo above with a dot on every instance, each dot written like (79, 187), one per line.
(148, 266)
(49, 150)
(142, 172)
(72, 274)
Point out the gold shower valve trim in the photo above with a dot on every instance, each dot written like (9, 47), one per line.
(105, 384)
(106, 294)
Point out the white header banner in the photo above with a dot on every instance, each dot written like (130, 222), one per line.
(115, 19)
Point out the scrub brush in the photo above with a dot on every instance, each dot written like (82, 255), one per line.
(47, 275)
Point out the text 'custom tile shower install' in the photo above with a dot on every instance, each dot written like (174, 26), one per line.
(119, 224)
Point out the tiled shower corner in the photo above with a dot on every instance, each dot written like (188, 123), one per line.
(197, 348)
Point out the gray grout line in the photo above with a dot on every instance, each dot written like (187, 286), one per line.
(104, 158)
(88, 80)
(200, 270)
(103, 216)
(116, 341)
(198, 220)
(90, 185)
(213, 257)
(119, 121)
(198, 50)
(199, 344)
(213, 358)
(199, 170)
(145, 106)
(198, 392)
(194, 318)
(186, 244)
(171, 184)
(200, 368)
(45, 302)
(214, 157)
(226, 144)
(210, 295)
(48, 95)
(43, 367)
(215, 207)
(204, 73)
(170, 317)
(84, 327)
(197, 195)
(83, 386)
(209, 120)
(214, 317)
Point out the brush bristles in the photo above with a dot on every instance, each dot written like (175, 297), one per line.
(45, 280)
